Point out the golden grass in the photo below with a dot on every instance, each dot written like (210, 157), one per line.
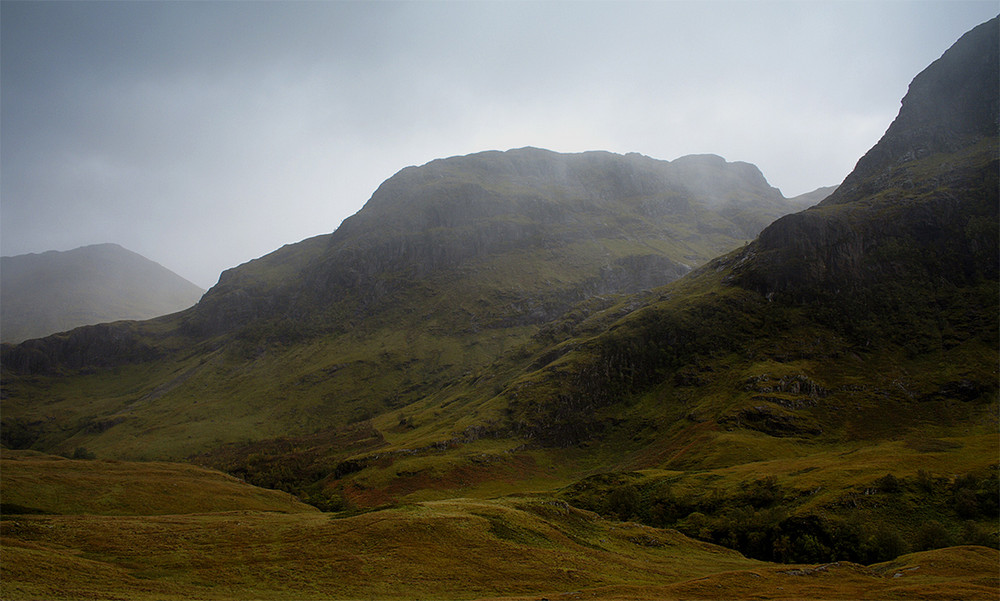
(56, 485)
(452, 549)
(831, 470)
(520, 547)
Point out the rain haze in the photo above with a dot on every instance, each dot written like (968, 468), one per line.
(204, 135)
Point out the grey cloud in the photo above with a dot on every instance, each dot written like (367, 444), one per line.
(206, 134)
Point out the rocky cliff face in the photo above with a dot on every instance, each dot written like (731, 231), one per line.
(949, 106)
(902, 256)
(920, 205)
(460, 212)
(96, 346)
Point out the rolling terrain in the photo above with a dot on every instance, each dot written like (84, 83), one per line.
(41, 294)
(525, 375)
(259, 545)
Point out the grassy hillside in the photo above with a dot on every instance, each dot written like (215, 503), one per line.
(34, 483)
(448, 268)
(520, 547)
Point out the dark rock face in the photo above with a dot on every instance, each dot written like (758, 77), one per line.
(920, 205)
(452, 212)
(254, 290)
(950, 105)
(102, 345)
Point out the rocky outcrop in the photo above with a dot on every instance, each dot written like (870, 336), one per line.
(102, 345)
(950, 105)
(254, 290)
(919, 204)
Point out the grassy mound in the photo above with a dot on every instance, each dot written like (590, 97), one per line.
(34, 483)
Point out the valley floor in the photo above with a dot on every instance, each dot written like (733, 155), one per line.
(511, 548)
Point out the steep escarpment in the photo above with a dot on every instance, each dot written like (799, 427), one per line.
(97, 346)
(948, 107)
(932, 221)
(921, 205)
(918, 211)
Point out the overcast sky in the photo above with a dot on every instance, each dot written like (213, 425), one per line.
(203, 135)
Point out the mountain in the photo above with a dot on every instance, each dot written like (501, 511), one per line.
(589, 224)
(811, 198)
(835, 374)
(447, 267)
(41, 294)
(542, 330)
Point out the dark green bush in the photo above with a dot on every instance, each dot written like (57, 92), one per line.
(932, 535)
(83, 453)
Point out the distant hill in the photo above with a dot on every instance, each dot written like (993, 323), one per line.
(811, 198)
(54, 291)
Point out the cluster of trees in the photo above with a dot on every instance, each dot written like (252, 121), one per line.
(760, 521)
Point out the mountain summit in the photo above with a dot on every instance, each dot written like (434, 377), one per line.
(600, 222)
(949, 106)
(41, 294)
(920, 206)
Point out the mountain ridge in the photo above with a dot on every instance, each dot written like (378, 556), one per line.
(452, 211)
(946, 105)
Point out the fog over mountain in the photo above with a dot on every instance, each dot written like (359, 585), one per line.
(203, 135)
(45, 293)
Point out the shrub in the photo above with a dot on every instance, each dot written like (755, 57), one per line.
(932, 535)
(763, 492)
(888, 484)
(623, 502)
(885, 544)
(926, 482)
(83, 453)
(695, 525)
(974, 534)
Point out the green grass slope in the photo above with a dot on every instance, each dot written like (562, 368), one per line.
(34, 483)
